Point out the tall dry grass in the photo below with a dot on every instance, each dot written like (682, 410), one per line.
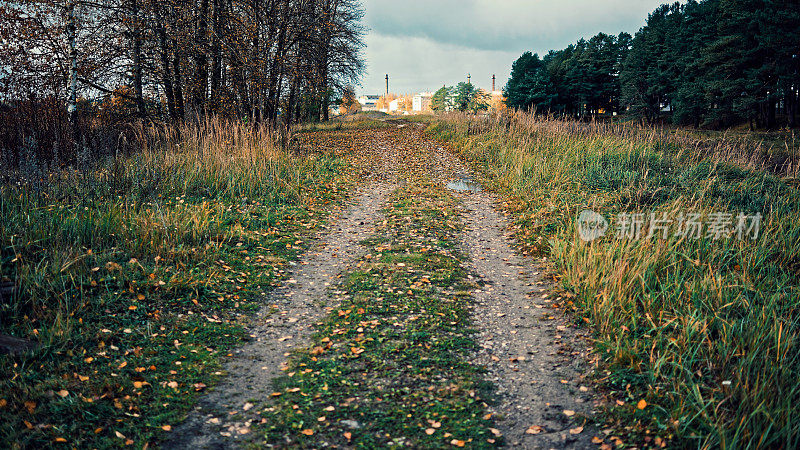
(706, 331)
(175, 194)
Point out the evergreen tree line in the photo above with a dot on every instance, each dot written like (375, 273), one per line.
(712, 63)
(80, 63)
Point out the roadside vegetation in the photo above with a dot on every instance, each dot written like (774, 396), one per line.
(131, 278)
(699, 338)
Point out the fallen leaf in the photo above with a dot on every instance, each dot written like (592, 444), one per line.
(119, 435)
(642, 404)
(348, 435)
(63, 393)
(247, 406)
(30, 406)
(577, 430)
(569, 412)
(534, 429)
(60, 439)
(430, 431)
(495, 431)
(3, 402)
(458, 443)
(308, 432)
(166, 428)
(597, 440)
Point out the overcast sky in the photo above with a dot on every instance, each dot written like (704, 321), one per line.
(423, 44)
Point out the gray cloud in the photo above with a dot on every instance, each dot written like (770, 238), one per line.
(424, 43)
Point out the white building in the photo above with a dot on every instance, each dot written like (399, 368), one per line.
(369, 102)
(394, 105)
(422, 102)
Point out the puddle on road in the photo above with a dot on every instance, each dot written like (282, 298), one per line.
(464, 184)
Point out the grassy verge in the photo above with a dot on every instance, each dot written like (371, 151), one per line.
(700, 336)
(387, 367)
(134, 278)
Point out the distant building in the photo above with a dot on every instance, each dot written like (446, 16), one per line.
(369, 102)
(422, 102)
(394, 105)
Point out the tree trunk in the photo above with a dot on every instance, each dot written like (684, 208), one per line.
(289, 112)
(136, 37)
(72, 91)
(200, 84)
(178, 83)
(258, 102)
(166, 74)
(216, 55)
(276, 70)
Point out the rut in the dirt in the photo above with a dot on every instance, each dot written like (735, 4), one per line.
(533, 356)
(225, 415)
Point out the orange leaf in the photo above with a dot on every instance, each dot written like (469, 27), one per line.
(642, 404)
(308, 431)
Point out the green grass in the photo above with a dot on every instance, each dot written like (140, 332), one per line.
(136, 277)
(388, 366)
(706, 331)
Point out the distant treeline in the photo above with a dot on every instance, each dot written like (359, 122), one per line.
(712, 63)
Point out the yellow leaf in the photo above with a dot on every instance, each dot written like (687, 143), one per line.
(534, 429)
(642, 404)
(166, 428)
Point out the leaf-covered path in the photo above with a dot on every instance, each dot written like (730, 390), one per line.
(410, 322)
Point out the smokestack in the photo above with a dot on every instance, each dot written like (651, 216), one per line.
(493, 89)
(387, 85)
(469, 78)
